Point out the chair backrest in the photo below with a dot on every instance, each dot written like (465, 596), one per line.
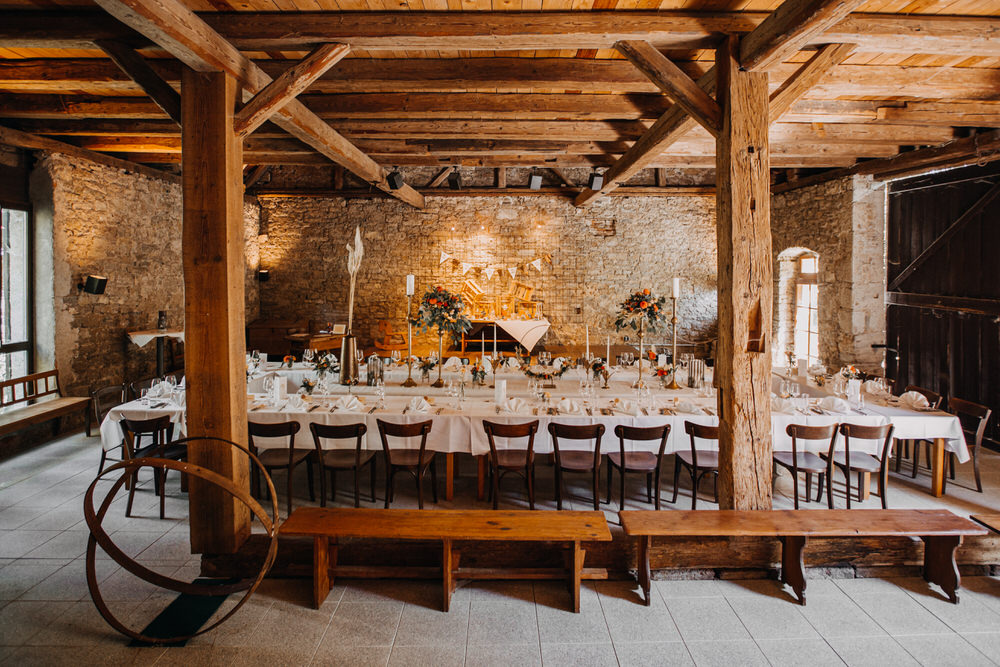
(159, 430)
(105, 398)
(495, 430)
(863, 432)
(932, 397)
(394, 430)
(703, 431)
(339, 432)
(277, 430)
(805, 432)
(974, 418)
(520, 290)
(137, 386)
(660, 433)
(29, 387)
(577, 432)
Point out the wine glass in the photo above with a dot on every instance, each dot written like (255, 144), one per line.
(359, 355)
(308, 354)
(144, 397)
(380, 393)
(395, 355)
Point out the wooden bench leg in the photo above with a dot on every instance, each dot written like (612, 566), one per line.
(447, 573)
(939, 563)
(642, 567)
(792, 565)
(576, 574)
(321, 570)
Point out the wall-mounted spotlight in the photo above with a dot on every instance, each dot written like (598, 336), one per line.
(395, 179)
(596, 181)
(455, 179)
(535, 181)
(93, 284)
(263, 275)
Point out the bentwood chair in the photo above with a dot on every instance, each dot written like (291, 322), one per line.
(150, 437)
(698, 462)
(903, 450)
(101, 402)
(286, 457)
(640, 461)
(414, 462)
(334, 460)
(797, 461)
(518, 461)
(135, 388)
(974, 418)
(859, 462)
(575, 460)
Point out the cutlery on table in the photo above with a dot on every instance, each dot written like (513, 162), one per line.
(439, 411)
(314, 407)
(645, 411)
(405, 409)
(372, 410)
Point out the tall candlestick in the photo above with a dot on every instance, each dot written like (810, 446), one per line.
(588, 341)
(677, 288)
(409, 285)
(409, 381)
(483, 353)
(607, 354)
(673, 321)
(494, 343)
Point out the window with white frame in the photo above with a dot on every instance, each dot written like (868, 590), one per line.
(807, 310)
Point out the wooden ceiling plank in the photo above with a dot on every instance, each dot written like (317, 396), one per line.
(674, 82)
(441, 177)
(140, 71)
(287, 87)
(171, 25)
(806, 77)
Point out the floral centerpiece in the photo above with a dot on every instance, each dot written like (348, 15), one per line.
(478, 371)
(426, 365)
(308, 385)
(597, 367)
(641, 310)
(287, 361)
(441, 310)
(852, 373)
(324, 364)
(540, 372)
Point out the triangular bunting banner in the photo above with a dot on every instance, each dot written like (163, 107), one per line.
(444, 257)
(537, 263)
(512, 270)
(489, 272)
(465, 267)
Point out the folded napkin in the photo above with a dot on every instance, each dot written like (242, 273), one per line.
(487, 366)
(349, 404)
(569, 407)
(817, 369)
(512, 362)
(782, 405)
(453, 363)
(558, 362)
(295, 402)
(875, 389)
(515, 406)
(628, 407)
(689, 408)
(834, 404)
(914, 400)
(419, 404)
(661, 360)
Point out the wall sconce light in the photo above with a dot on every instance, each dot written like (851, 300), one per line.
(455, 179)
(535, 181)
(263, 275)
(395, 179)
(596, 181)
(93, 285)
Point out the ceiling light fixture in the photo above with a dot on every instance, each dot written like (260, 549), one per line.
(596, 181)
(455, 179)
(535, 181)
(395, 179)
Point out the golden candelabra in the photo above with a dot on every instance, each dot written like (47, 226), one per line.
(409, 382)
(673, 324)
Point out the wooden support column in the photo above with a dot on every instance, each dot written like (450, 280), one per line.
(743, 359)
(213, 305)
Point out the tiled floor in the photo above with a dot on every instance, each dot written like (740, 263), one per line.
(46, 616)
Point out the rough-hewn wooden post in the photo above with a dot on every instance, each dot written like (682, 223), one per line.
(213, 250)
(743, 359)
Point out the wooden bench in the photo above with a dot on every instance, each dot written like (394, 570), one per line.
(991, 521)
(24, 390)
(326, 526)
(940, 530)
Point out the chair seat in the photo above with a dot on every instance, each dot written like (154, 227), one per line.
(707, 459)
(278, 458)
(859, 461)
(410, 458)
(576, 460)
(512, 458)
(174, 452)
(343, 459)
(640, 461)
(804, 461)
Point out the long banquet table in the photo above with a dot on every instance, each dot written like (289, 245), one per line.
(459, 430)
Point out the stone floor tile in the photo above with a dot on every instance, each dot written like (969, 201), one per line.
(498, 591)
(772, 618)
(269, 657)
(685, 588)
(559, 625)
(574, 655)
(984, 589)
(17, 543)
(794, 652)
(629, 620)
(363, 624)
(938, 651)
(420, 626)
(110, 655)
(900, 614)
(706, 619)
(988, 643)
(522, 655)
(871, 652)
(356, 656)
(422, 593)
(21, 621)
(726, 653)
(21, 576)
(494, 621)
(67, 544)
(839, 616)
(197, 656)
(427, 656)
(16, 517)
(292, 626)
(650, 654)
(237, 631)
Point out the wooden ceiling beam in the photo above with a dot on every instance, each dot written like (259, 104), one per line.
(138, 69)
(174, 27)
(806, 77)
(500, 31)
(286, 87)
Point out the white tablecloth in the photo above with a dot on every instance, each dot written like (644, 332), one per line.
(525, 332)
(142, 338)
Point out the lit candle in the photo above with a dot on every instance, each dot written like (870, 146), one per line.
(677, 288)
(483, 353)
(494, 342)
(409, 285)
(607, 353)
(588, 341)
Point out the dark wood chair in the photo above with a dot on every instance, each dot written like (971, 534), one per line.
(353, 459)
(641, 462)
(903, 449)
(806, 462)
(101, 402)
(974, 418)
(698, 462)
(150, 437)
(575, 460)
(859, 462)
(135, 388)
(518, 461)
(281, 458)
(412, 461)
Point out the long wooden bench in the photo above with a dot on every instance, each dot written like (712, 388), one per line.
(941, 531)
(37, 387)
(326, 526)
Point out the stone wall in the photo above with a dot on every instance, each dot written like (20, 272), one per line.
(843, 221)
(94, 219)
(599, 254)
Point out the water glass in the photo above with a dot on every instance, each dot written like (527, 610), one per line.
(144, 397)
(380, 393)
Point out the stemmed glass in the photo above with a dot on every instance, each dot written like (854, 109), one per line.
(395, 355)
(308, 354)
(451, 389)
(380, 393)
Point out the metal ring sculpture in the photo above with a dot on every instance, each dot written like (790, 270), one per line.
(98, 536)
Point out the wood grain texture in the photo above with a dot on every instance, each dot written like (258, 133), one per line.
(807, 76)
(743, 358)
(788, 28)
(214, 307)
(140, 71)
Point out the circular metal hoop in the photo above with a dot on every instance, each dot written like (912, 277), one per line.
(98, 536)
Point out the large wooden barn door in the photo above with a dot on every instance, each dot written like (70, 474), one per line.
(944, 284)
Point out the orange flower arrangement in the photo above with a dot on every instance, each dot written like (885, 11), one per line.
(641, 306)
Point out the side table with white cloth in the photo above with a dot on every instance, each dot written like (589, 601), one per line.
(142, 338)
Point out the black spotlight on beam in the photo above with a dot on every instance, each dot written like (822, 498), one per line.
(263, 275)
(395, 179)
(535, 181)
(455, 179)
(596, 181)
(93, 285)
